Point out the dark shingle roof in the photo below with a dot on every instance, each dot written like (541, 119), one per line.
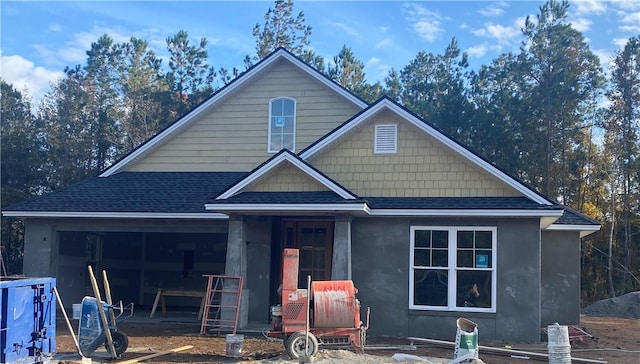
(188, 192)
(573, 217)
(159, 192)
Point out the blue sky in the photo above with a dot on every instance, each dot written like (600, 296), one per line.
(40, 38)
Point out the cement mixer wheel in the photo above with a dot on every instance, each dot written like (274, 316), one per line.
(296, 345)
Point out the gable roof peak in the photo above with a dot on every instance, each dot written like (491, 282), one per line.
(278, 159)
(245, 78)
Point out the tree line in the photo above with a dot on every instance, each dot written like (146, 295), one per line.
(547, 114)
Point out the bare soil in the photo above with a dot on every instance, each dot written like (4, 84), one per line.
(615, 340)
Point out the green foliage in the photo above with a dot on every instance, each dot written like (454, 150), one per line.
(190, 76)
(433, 86)
(564, 76)
(622, 147)
(348, 71)
(281, 29)
(21, 164)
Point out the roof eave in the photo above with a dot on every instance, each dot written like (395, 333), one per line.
(114, 215)
(311, 208)
(583, 229)
(554, 214)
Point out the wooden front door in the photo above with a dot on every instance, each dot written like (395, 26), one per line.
(314, 238)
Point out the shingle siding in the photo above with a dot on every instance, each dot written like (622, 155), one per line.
(422, 167)
(233, 137)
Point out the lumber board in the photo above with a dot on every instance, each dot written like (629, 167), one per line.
(155, 355)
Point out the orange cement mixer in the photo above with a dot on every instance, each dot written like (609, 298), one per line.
(326, 313)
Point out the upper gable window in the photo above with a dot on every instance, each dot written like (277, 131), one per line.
(385, 139)
(282, 124)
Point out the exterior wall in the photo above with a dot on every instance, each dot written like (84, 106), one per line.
(381, 269)
(125, 243)
(40, 250)
(233, 136)
(422, 167)
(286, 179)
(258, 240)
(560, 278)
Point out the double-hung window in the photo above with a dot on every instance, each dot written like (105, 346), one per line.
(453, 268)
(282, 124)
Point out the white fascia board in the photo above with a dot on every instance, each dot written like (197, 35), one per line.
(221, 95)
(583, 229)
(464, 152)
(354, 207)
(286, 157)
(114, 215)
(470, 212)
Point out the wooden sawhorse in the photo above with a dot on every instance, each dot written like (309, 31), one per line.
(162, 293)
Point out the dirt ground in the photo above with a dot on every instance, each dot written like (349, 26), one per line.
(616, 340)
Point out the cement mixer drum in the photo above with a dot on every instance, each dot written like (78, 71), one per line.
(335, 304)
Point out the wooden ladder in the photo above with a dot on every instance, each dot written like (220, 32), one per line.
(222, 304)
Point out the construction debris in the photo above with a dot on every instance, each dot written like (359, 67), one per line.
(505, 352)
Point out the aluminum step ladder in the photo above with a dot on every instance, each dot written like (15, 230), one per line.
(222, 304)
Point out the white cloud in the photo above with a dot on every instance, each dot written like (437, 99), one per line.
(343, 28)
(620, 42)
(633, 18)
(630, 28)
(581, 24)
(376, 70)
(584, 7)
(427, 24)
(55, 27)
(503, 35)
(626, 4)
(23, 74)
(491, 11)
(478, 50)
(629, 21)
(75, 49)
(384, 43)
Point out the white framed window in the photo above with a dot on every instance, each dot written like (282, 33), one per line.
(385, 139)
(453, 268)
(282, 124)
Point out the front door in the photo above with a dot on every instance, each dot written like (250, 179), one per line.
(314, 238)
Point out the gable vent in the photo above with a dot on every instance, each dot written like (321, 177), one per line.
(386, 139)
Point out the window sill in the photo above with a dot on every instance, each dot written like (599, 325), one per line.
(452, 313)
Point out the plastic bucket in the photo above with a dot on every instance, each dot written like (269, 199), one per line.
(558, 344)
(233, 347)
(76, 311)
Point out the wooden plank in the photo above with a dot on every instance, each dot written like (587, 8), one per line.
(155, 355)
(508, 352)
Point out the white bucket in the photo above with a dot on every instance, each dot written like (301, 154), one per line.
(77, 311)
(233, 347)
(558, 344)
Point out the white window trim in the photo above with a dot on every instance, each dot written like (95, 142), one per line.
(451, 284)
(390, 146)
(295, 111)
